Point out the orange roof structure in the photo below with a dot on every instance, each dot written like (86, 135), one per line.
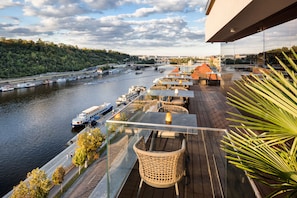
(200, 71)
(203, 71)
(175, 71)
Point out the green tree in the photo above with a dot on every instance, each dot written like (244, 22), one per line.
(37, 185)
(58, 176)
(79, 158)
(90, 141)
(264, 142)
(32, 58)
(21, 190)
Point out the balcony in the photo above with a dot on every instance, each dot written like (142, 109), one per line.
(209, 174)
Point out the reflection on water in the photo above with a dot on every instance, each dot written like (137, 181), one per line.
(36, 122)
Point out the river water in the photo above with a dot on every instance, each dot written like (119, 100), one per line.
(36, 122)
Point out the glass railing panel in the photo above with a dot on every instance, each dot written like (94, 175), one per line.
(134, 121)
(120, 168)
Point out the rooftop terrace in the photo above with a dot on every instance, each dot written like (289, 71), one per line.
(209, 174)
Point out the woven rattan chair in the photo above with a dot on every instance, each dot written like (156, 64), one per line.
(173, 109)
(160, 169)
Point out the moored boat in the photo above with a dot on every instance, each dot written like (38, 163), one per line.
(91, 114)
(30, 84)
(126, 98)
(25, 85)
(47, 82)
(137, 88)
(61, 80)
(21, 85)
(133, 92)
(7, 88)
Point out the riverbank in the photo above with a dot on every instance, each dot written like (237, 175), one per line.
(54, 77)
(39, 118)
(48, 78)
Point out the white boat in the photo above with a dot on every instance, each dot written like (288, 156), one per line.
(91, 114)
(126, 98)
(61, 80)
(7, 88)
(137, 88)
(30, 84)
(133, 92)
(25, 85)
(47, 82)
(21, 85)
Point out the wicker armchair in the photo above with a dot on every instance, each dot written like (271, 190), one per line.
(173, 109)
(157, 87)
(179, 88)
(160, 169)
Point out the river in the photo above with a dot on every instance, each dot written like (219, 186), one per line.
(35, 122)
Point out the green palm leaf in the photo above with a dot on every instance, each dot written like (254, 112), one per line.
(263, 162)
(264, 142)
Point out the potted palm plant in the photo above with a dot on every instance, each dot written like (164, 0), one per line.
(263, 139)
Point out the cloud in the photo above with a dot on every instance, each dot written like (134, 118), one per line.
(102, 4)
(67, 8)
(27, 32)
(13, 19)
(174, 5)
(143, 12)
(274, 38)
(8, 3)
(43, 9)
(114, 24)
(114, 33)
(166, 6)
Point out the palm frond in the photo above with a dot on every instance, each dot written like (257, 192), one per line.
(264, 143)
(251, 153)
(272, 99)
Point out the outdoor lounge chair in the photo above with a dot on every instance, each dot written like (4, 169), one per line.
(173, 109)
(160, 169)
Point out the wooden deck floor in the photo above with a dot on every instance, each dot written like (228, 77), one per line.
(210, 174)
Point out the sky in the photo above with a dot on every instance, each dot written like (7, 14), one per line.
(284, 35)
(135, 27)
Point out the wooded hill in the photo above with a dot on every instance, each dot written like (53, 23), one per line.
(20, 58)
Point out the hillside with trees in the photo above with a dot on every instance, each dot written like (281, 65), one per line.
(20, 58)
